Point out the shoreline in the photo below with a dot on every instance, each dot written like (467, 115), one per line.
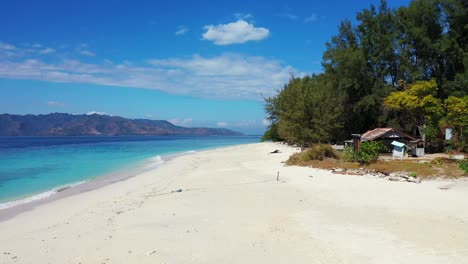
(75, 174)
(30, 202)
(10, 209)
(227, 204)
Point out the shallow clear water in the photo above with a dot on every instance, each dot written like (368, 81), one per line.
(31, 165)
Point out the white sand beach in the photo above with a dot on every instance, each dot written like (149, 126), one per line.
(226, 206)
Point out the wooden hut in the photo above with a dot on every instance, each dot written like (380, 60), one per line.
(387, 136)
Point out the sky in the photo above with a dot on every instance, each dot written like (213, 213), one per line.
(194, 63)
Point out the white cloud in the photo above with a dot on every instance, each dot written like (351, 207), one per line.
(9, 51)
(228, 76)
(290, 16)
(55, 103)
(186, 122)
(6, 46)
(243, 16)
(222, 124)
(97, 113)
(234, 33)
(238, 124)
(244, 123)
(182, 30)
(87, 53)
(311, 18)
(266, 122)
(47, 51)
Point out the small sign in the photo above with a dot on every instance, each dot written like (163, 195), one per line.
(448, 134)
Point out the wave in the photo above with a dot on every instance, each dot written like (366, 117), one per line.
(153, 162)
(148, 164)
(39, 196)
(157, 160)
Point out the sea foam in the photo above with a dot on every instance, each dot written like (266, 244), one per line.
(38, 196)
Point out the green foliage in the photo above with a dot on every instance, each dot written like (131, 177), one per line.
(419, 102)
(305, 111)
(457, 118)
(369, 151)
(412, 174)
(457, 111)
(317, 152)
(271, 134)
(347, 69)
(412, 58)
(463, 165)
(348, 154)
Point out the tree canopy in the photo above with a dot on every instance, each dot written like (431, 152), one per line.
(404, 67)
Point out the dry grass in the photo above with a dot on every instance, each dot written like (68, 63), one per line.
(440, 167)
(316, 152)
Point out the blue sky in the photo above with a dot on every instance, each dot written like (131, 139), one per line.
(194, 63)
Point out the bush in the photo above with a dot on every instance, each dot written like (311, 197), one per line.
(369, 151)
(438, 161)
(348, 154)
(463, 165)
(317, 152)
(321, 151)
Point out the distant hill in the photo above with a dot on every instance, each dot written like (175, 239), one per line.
(58, 124)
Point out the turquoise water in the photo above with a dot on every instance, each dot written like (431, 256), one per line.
(32, 165)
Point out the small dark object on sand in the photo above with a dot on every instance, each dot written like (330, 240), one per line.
(179, 190)
(274, 152)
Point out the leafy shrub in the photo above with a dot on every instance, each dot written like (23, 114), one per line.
(347, 154)
(463, 165)
(369, 151)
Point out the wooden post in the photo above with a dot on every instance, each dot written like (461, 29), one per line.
(356, 144)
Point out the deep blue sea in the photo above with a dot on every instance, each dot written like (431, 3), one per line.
(34, 166)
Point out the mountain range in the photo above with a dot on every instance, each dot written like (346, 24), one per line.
(61, 124)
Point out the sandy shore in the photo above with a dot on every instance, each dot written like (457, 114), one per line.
(225, 206)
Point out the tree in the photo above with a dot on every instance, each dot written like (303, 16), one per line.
(455, 46)
(457, 118)
(424, 44)
(377, 33)
(350, 75)
(420, 102)
(304, 111)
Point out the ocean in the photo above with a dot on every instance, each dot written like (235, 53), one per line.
(33, 168)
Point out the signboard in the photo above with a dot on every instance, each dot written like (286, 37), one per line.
(448, 134)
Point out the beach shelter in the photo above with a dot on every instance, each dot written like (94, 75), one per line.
(386, 136)
(398, 149)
